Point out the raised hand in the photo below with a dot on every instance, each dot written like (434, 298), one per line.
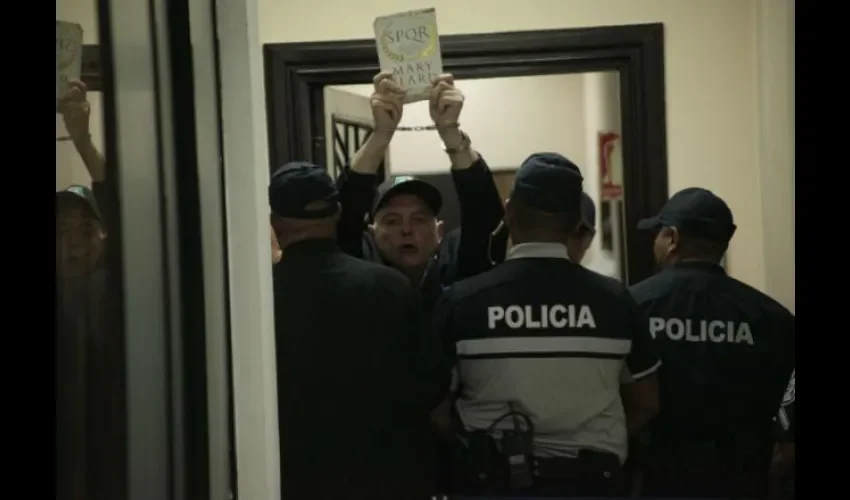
(446, 102)
(387, 103)
(75, 111)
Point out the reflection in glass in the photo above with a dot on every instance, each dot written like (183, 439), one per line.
(88, 353)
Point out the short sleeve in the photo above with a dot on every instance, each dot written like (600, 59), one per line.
(643, 359)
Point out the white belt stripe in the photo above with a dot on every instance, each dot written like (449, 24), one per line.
(529, 345)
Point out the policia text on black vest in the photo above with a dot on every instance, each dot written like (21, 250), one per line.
(728, 352)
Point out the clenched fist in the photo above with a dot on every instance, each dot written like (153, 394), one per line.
(75, 111)
(446, 102)
(387, 102)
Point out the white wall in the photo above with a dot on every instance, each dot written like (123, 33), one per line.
(602, 114)
(505, 135)
(69, 167)
(775, 27)
(711, 66)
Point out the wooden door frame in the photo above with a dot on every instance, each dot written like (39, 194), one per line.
(296, 74)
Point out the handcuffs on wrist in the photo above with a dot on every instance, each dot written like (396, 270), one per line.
(460, 148)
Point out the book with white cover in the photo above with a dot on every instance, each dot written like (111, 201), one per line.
(409, 47)
(69, 55)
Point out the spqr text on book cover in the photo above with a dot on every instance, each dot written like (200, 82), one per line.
(409, 47)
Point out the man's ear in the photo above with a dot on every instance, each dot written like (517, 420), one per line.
(371, 228)
(588, 241)
(509, 210)
(675, 237)
(277, 252)
(101, 230)
(441, 229)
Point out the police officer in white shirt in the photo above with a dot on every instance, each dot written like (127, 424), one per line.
(539, 344)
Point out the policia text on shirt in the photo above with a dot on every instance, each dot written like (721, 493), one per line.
(689, 330)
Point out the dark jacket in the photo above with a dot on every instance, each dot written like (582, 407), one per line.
(716, 383)
(728, 352)
(464, 253)
(358, 373)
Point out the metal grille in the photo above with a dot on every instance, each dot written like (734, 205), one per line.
(349, 136)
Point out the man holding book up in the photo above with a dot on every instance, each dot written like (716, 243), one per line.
(398, 224)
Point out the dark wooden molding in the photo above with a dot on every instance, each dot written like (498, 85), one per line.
(296, 74)
(91, 73)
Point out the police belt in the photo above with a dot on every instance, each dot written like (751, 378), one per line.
(484, 465)
(483, 461)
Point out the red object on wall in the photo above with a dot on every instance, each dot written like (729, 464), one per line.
(611, 190)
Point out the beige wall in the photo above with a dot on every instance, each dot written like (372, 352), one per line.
(504, 134)
(712, 66)
(775, 28)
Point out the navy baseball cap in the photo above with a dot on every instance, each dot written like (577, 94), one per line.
(588, 212)
(697, 212)
(406, 184)
(78, 193)
(294, 186)
(549, 182)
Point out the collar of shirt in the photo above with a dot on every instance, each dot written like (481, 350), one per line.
(313, 246)
(538, 251)
(700, 265)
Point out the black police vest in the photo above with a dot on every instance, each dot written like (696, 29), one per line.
(727, 352)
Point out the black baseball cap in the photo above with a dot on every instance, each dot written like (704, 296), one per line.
(295, 185)
(696, 212)
(407, 184)
(549, 182)
(588, 212)
(79, 193)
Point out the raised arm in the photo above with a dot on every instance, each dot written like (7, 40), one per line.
(481, 206)
(75, 110)
(358, 183)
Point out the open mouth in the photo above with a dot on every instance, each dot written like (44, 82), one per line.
(408, 249)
